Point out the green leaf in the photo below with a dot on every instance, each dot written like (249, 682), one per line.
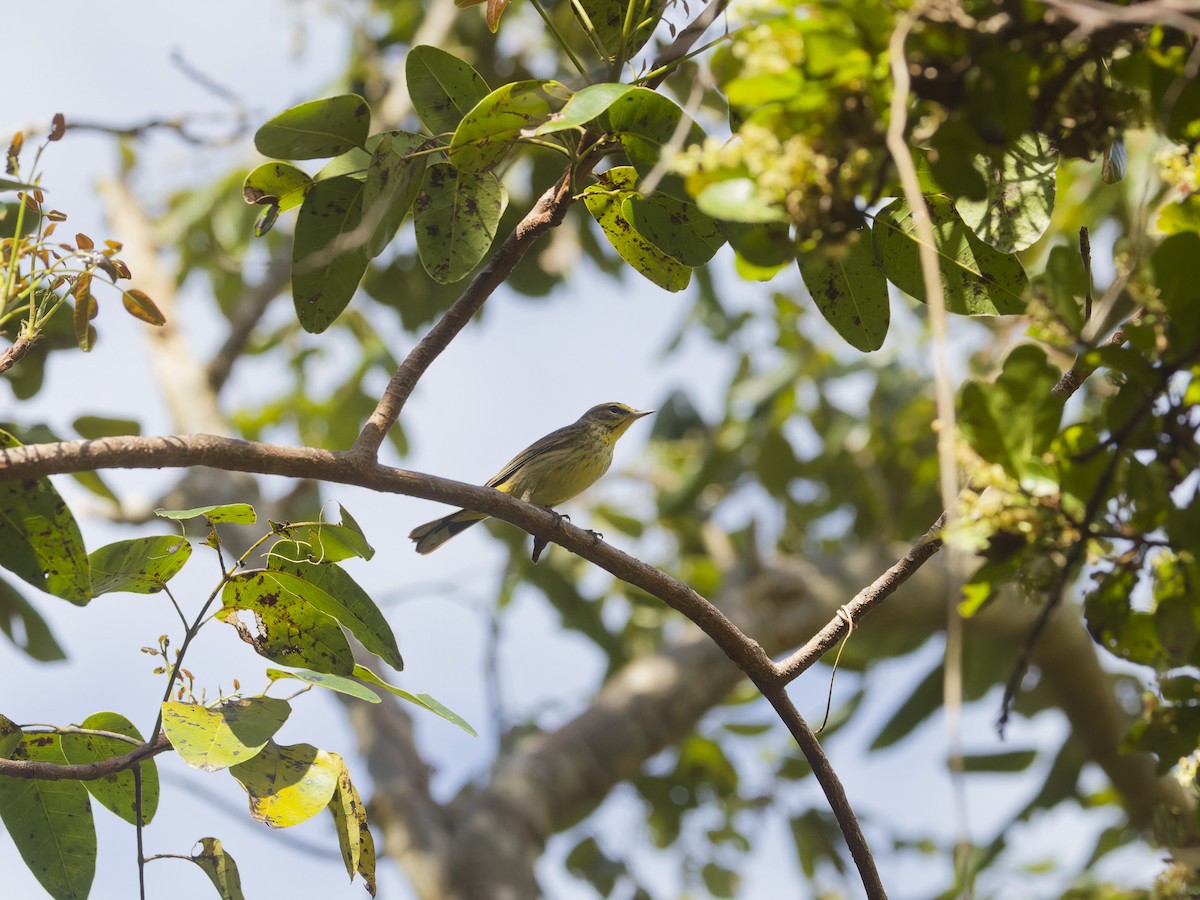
(116, 793)
(40, 541)
(286, 623)
(211, 739)
(1174, 263)
(17, 616)
(676, 227)
(393, 179)
(337, 683)
(443, 88)
(287, 784)
(847, 284)
(1009, 761)
(329, 257)
(10, 184)
(584, 106)
(456, 216)
(325, 542)
(422, 700)
(51, 823)
(738, 200)
(330, 589)
(316, 129)
(1013, 420)
(1020, 195)
(93, 427)
(10, 737)
(220, 868)
(644, 122)
(488, 131)
(350, 818)
(605, 201)
(977, 279)
(231, 513)
(276, 184)
(138, 565)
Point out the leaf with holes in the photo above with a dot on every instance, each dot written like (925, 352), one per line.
(284, 618)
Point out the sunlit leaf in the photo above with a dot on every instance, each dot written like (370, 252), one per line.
(288, 784)
(494, 124)
(216, 738)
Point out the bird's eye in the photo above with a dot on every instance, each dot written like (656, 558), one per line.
(616, 410)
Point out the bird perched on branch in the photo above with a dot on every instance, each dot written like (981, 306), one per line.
(548, 472)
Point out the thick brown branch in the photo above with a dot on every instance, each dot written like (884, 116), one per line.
(546, 214)
(105, 768)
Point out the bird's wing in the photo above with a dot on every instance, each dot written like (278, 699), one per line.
(552, 441)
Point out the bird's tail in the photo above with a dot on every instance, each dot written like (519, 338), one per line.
(433, 534)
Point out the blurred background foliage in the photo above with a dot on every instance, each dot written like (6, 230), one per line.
(818, 453)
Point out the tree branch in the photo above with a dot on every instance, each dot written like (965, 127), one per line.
(105, 768)
(358, 469)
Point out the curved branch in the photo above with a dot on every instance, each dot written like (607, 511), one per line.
(360, 469)
(105, 768)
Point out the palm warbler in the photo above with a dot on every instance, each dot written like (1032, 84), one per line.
(551, 471)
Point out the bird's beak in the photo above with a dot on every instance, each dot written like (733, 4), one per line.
(638, 413)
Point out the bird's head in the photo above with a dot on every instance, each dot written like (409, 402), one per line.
(613, 417)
